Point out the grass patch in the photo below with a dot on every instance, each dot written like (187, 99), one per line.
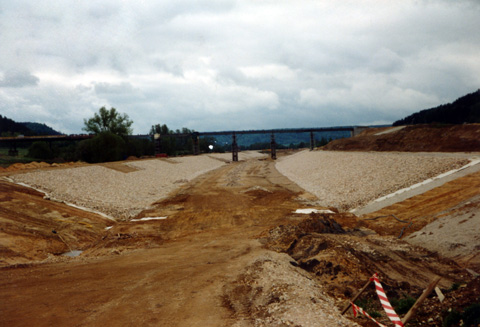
(6, 160)
(402, 305)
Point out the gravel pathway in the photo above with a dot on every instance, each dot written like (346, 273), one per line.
(348, 180)
(118, 194)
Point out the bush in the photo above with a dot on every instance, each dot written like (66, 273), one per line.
(103, 147)
(40, 150)
(451, 319)
(69, 152)
(471, 315)
(404, 304)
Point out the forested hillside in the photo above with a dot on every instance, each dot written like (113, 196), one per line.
(463, 110)
(9, 127)
(40, 129)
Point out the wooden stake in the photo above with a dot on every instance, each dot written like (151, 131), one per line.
(422, 298)
(356, 296)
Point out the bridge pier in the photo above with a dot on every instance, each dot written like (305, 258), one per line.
(234, 148)
(312, 141)
(196, 146)
(157, 143)
(273, 148)
(13, 152)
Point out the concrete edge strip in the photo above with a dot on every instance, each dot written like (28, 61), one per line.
(149, 218)
(425, 182)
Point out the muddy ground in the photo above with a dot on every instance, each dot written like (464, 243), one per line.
(232, 252)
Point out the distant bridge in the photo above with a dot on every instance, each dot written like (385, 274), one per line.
(354, 130)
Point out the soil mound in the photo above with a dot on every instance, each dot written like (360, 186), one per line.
(416, 138)
(36, 165)
(321, 246)
(342, 259)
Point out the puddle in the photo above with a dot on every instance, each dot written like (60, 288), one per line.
(74, 253)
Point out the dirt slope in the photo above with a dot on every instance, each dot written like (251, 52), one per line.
(32, 228)
(453, 204)
(416, 138)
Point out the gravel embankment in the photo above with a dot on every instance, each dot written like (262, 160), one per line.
(340, 179)
(347, 180)
(117, 194)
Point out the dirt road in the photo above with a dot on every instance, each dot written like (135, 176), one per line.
(159, 273)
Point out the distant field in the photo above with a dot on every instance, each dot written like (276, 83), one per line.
(6, 160)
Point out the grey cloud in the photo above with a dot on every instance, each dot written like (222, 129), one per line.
(168, 10)
(18, 78)
(386, 61)
(116, 89)
(169, 66)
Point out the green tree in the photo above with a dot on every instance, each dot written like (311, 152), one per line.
(104, 147)
(160, 129)
(109, 121)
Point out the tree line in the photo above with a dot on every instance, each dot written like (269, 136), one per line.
(465, 109)
(8, 127)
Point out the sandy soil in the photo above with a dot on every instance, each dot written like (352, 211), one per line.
(443, 219)
(27, 222)
(455, 233)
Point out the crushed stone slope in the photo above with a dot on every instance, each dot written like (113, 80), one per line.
(347, 180)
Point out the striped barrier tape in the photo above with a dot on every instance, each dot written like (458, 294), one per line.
(392, 315)
(385, 303)
(357, 309)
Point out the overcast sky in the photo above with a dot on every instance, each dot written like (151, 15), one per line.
(220, 64)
